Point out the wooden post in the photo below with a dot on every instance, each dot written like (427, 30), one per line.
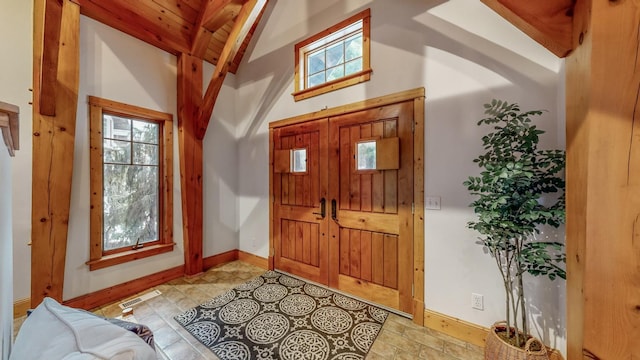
(53, 145)
(603, 177)
(189, 103)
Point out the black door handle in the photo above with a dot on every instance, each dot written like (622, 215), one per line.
(323, 208)
(334, 215)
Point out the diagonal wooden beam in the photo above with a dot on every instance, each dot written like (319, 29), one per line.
(549, 22)
(49, 62)
(213, 11)
(53, 148)
(191, 165)
(246, 18)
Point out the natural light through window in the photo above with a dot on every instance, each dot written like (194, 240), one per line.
(333, 59)
(366, 155)
(131, 182)
(299, 161)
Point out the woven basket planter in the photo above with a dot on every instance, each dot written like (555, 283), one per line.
(496, 349)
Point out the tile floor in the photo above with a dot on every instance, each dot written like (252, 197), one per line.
(398, 339)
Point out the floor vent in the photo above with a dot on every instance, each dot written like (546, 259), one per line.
(139, 299)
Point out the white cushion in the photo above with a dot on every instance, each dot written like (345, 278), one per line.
(54, 331)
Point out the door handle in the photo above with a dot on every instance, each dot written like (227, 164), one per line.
(334, 215)
(323, 208)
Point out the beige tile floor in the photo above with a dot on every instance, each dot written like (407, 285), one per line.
(398, 339)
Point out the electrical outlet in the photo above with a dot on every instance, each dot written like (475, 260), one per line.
(432, 203)
(477, 301)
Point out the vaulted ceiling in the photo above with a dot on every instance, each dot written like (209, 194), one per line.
(197, 27)
(202, 27)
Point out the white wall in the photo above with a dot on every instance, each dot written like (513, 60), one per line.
(459, 50)
(6, 249)
(16, 32)
(220, 191)
(464, 55)
(117, 67)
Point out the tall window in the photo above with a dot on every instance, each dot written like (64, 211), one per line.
(333, 59)
(131, 182)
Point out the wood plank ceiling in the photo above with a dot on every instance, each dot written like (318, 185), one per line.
(196, 27)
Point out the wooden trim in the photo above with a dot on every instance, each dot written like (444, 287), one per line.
(418, 214)
(129, 255)
(53, 148)
(417, 96)
(98, 258)
(466, 331)
(10, 126)
(300, 92)
(343, 82)
(124, 290)
(219, 259)
(129, 110)
(20, 308)
(271, 199)
(459, 329)
(353, 107)
(253, 259)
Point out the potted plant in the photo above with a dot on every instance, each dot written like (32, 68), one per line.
(519, 188)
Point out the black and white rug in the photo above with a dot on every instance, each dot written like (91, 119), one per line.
(275, 316)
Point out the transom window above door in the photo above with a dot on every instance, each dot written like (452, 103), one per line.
(334, 58)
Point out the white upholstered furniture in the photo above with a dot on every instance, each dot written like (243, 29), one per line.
(54, 331)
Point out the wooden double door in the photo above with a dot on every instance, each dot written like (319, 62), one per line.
(342, 192)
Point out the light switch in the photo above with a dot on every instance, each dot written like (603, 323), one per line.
(432, 203)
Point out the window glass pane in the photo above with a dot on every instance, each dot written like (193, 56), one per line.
(145, 132)
(353, 47)
(145, 154)
(366, 155)
(130, 201)
(335, 73)
(316, 62)
(116, 151)
(299, 163)
(353, 66)
(115, 127)
(335, 55)
(316, 79)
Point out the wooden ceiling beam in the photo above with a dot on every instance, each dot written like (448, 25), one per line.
(247, 17)
(549, 22)
(118, 15)
(49, 61)
(201, 33)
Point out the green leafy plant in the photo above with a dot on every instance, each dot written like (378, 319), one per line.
(510, 206)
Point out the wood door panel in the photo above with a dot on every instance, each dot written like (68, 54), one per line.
(299, 241)
(368, 191)
(372, 234)
(370, 291)
(384, 223)
(299, 233)
(367, 248)
(369, 256)
(300, 189)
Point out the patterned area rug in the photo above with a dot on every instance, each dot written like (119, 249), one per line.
(275, 316)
